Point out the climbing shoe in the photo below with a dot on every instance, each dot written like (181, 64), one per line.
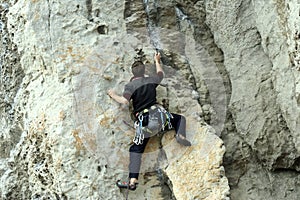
(124, 184)
(182, 140)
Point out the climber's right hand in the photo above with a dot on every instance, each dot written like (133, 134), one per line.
(157, 56)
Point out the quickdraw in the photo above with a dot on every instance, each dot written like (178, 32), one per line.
(139, 135)
(168, 117)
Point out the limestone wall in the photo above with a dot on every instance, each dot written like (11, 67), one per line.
(232, 68)
(62, 137)
(260, 44)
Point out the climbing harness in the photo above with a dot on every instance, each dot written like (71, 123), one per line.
(155, 119)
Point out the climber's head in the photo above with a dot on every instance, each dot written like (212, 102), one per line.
(138, 68)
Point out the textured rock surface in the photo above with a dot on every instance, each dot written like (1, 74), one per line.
(260, 44)
(62, 137)
(195, 163)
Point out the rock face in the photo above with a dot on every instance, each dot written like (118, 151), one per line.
(62, 137)
(232, 68)
(260, 44)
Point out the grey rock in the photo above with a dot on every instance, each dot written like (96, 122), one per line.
(232, 68)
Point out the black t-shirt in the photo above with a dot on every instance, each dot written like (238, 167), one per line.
(142, 91)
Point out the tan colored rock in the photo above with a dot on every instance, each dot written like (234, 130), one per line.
(198, 173)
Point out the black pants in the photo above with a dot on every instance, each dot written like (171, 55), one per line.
(179, 124)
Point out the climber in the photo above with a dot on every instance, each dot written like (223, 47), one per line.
(150, 116)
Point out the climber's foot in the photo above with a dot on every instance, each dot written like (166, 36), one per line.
(182, 140)
(124, 184)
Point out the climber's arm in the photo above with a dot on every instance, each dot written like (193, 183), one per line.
(117, 98)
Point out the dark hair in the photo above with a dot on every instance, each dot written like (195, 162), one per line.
(138, 68)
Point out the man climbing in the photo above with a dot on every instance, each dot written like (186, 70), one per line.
(151, 118)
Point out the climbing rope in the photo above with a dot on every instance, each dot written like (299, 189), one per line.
(127, 190)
